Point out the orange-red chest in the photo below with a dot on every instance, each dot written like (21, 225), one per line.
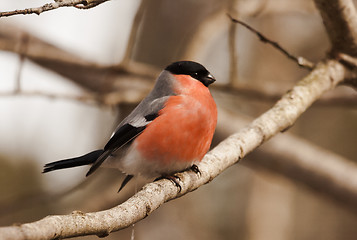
(184, 129)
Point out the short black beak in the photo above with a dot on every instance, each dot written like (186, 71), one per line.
(209, 79)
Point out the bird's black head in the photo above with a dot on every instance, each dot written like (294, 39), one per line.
(193, 69)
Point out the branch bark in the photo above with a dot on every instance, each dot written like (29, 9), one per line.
(331, 100)
(340, 19)
(279, 118)
(82, 4)
(301, 161)
(316, 168)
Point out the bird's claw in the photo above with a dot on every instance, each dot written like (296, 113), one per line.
(195, 169)
(173, 178)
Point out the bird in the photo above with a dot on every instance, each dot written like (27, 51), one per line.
(169, 131)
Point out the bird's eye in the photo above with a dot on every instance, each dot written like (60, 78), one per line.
(196, 73)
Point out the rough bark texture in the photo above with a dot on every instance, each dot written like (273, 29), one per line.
(315, 167)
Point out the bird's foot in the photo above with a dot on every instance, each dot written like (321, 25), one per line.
(174, 179)
(195, 169)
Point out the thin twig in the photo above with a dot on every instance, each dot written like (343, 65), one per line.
(301, 61)
(81, 4)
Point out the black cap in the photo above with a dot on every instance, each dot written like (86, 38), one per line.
(193, 69)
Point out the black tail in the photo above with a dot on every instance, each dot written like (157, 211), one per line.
(87, 159)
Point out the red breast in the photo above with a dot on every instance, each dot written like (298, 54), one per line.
(184, 129)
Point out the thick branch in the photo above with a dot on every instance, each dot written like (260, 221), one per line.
(95, 77)
(316, 168)
(340, 19)
(301, 161)
(285, 112)
(334, 99)
(351, 63)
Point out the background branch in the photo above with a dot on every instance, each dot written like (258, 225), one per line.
(97, 78)
(301, 161)
(301, 61)
(340, 20)
(112, 84)
(332, 99)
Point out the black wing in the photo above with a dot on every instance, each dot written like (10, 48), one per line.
(122, 136)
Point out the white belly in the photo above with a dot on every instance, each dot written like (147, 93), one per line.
(131, 162)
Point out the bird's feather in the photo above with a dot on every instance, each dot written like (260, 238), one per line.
(86, 159)
(129, 129)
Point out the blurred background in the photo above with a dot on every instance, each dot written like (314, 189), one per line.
(69, 75)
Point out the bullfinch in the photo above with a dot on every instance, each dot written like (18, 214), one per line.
(169, 131)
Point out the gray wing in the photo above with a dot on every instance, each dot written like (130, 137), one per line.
(135, 123)
(130, 128)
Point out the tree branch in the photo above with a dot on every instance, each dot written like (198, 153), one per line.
(340, 19)
(279, 118)
(351, 63)
(93, 76)
(98, 78)
(312, 166)
(81, 4)
(301, 161)
(301, 61)
(332, 100)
